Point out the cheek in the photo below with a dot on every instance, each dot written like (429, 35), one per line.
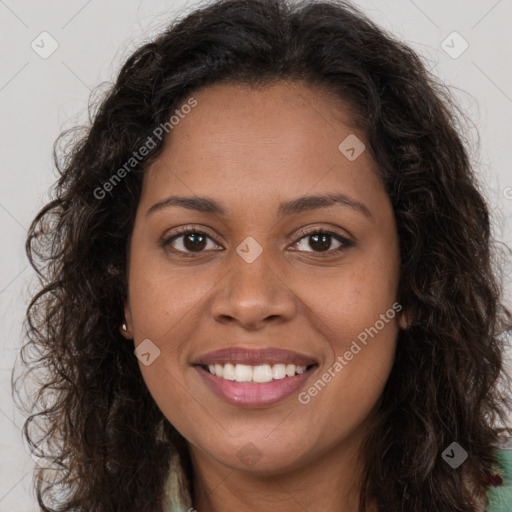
(163, 300)
(165, 304)
(361, 344)
(184, 408)
(355, 314)
(346, 303)
(358, 330)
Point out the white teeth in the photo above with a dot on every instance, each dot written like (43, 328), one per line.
(243, 373)
(290, 370)
(260, 373)
(229, 372)
(279, 371)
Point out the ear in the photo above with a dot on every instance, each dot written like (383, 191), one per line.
(404, 319)
(128, 334)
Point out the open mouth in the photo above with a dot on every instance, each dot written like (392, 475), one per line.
(256, 373)
(258, 385)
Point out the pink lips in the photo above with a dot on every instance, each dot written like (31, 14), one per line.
(254, 357)
(253, 394)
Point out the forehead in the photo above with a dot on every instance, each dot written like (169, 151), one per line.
(275, 113)
(259, 141)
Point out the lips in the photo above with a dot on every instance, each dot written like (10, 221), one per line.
(254, 357)
(252, 394)
(255, 394)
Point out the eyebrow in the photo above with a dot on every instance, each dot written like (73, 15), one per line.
(286, 208)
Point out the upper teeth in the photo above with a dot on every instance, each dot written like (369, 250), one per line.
(260, 373)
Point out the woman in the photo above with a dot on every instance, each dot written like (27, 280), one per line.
(269, 282)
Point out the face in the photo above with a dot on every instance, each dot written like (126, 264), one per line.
(266, 276)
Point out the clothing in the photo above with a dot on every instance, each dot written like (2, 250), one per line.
(177, 496)
(499, 494)
(499, 497)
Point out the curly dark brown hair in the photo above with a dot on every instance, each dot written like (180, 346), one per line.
(107, 444)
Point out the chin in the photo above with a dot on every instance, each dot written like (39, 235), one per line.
(257, 457)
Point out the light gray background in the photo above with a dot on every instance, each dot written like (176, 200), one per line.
(40, 97)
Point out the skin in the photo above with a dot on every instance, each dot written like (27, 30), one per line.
(250, 149)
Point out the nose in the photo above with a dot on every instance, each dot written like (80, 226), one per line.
(253, 295)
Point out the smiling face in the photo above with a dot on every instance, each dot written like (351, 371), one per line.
(255, 156)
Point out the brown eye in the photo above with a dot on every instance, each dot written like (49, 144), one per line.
(188, 241)
(194, 242)
(320, 241)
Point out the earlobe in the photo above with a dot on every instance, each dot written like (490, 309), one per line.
(126, 327)
(404, 321)
(125, 331)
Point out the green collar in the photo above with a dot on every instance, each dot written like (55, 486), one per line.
(499, 497)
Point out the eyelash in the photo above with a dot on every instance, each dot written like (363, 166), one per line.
(181, 232)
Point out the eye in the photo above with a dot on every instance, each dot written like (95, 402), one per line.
(188, 241)
(321, 240)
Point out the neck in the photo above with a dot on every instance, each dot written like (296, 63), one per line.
(331, 482)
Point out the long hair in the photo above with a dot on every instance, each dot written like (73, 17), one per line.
(106, 444)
